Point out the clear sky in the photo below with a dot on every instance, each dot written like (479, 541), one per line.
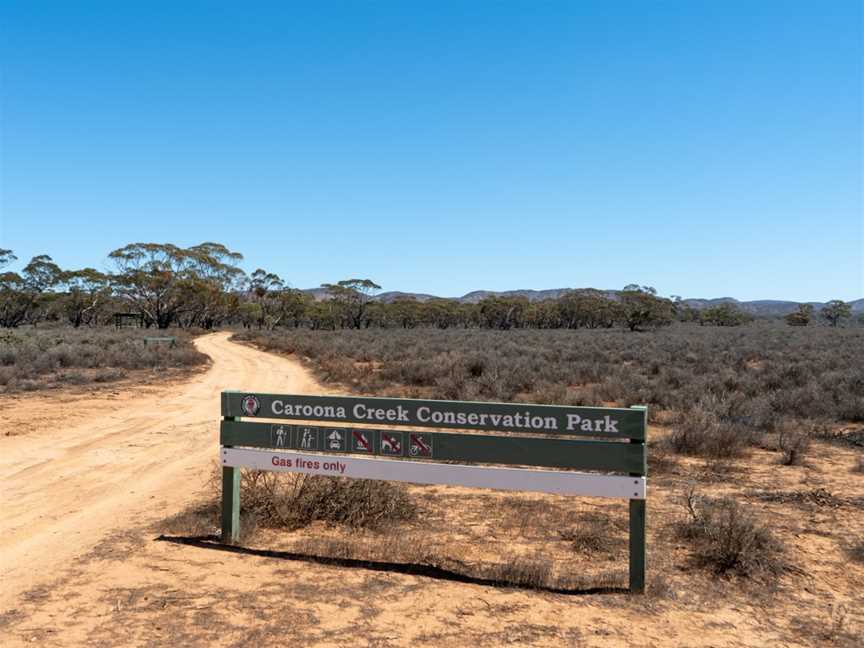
(708, 148)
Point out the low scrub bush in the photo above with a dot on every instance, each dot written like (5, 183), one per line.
(294, 500)
(703, 433)
(726, 387)
(43, 358)
(728, 539)
(794, 444)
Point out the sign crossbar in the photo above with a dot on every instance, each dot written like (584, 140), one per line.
(416, 472)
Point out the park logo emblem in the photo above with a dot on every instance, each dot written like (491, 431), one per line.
(250, 405)
(391, 443)
(420, 445)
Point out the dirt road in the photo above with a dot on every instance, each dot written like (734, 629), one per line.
(85, 467)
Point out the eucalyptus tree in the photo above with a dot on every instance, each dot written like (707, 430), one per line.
(835, 311)
(352, 297)
(641, 308)
(164, 281)
(503, 312)
(6, 257)
(21, 295)
(87, 290)
(214, 284)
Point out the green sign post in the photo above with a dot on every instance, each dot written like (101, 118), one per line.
(589, 451)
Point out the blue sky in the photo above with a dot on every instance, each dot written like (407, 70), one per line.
(705, 148)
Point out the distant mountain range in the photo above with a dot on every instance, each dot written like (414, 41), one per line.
(763, 307)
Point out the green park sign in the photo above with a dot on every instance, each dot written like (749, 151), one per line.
(587, 451)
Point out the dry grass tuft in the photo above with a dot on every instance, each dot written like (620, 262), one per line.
(535, 572)
(856, 551)
(594, 534)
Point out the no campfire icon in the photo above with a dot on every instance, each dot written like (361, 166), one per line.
(361, 441)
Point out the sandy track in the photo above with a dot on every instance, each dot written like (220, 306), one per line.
(116, 460)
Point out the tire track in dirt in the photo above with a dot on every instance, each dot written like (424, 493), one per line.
(131, 457)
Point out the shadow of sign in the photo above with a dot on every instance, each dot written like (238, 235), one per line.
(409, 569)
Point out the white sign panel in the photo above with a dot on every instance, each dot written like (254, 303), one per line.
(518, 479)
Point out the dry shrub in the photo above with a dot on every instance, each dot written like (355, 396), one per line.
(728, 539)
(294, 500)
(830, 628)
(661, 460)
(592, 534)
(859, 466)
(204, 520)
(400, 547)
(748, 377)
(794, 445)
(703, 434)
(856, 551)
(820, 497)
(197, 520)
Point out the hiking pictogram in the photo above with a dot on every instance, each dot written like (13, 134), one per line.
(280, 436)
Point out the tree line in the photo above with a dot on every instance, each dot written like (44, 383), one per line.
(203, 286)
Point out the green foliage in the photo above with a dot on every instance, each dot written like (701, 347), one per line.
(202, 286)
(724, 315)
(586, 309)
(21, 295)
(167, 283)
(6, 257)
(641, 309)
(352, 297)
(86, 291)
(503, 313)
(835, 311)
